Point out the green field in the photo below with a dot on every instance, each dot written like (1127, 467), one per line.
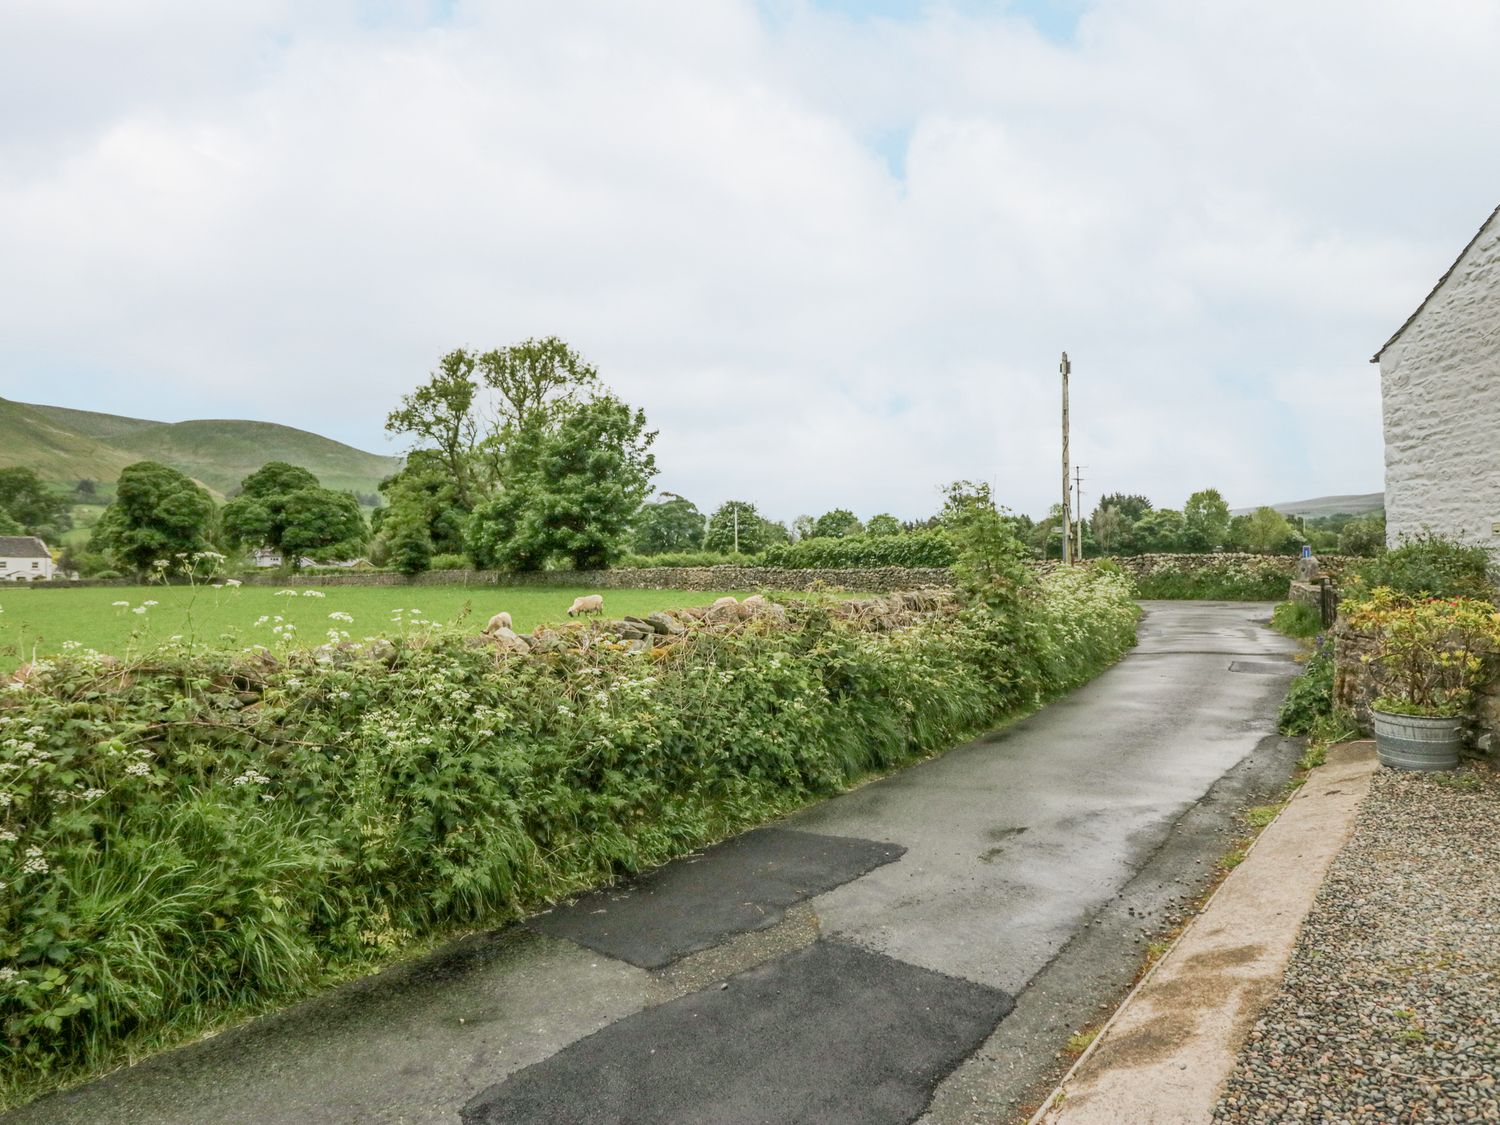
(39, 622)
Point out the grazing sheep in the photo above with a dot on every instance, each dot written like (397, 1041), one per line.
(589, 603)
(726, 601)
(499, 621)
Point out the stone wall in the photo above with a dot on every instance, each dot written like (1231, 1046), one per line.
(1440, 392)
(868, 580)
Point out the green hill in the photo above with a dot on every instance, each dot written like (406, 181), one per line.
(1353, 505)
(69, 445)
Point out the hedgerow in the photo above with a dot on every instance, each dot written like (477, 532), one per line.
(202, 832)
(917, 549)
(1213, 578)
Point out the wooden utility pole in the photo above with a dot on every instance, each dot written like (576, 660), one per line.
(1078, 495)
(1067, 519)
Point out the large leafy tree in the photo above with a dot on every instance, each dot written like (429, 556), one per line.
(756, 533)
(9, 525)
(424, 492)
(1160, 531)
(1267, 530)
(440, 416)
(323, 523)
(1205, 521)
(837, 524)
(31, 503)
(574, 481)
(285, 507)
(673, 523)
(1110, 528)
(1131, 505)
(158, 514)
(883, 524)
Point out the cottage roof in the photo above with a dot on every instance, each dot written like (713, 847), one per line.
(23, 547)
(1484, 226)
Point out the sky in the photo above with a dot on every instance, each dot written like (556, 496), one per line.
(832, 247)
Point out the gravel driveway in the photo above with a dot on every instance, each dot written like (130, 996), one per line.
(1390, 1008)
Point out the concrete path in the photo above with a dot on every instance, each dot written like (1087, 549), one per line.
(1165, 1055)
(952, 921)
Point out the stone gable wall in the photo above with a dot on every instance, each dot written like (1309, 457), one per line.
(1440, 390)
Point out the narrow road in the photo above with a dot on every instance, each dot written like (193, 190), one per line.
(917, 949)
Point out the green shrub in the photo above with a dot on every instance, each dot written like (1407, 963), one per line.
(1309, 698)
(688, 558)
(206, 832)
(1427, 566)
(1296, 619)
(449, 562)
(913, 549)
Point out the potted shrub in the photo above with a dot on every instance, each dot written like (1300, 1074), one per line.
(1428, 657)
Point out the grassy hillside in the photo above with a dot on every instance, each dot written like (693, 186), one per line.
(35, 439)
(68, 445)
(1353, 505)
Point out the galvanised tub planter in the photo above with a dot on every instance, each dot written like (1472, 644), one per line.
(1417, 742)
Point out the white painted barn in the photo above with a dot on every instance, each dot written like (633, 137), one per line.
(24, 558)
(1440, 392)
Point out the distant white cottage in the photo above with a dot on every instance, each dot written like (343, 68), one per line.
(1440, 389)
(24, 558)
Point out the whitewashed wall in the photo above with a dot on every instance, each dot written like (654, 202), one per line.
(1440, 383)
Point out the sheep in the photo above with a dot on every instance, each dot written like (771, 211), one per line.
(500, 621)
(589, 603)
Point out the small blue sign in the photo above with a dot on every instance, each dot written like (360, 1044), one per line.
(1307, 550)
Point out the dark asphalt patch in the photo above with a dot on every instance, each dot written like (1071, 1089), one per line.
(1266, 667)
(830, 1034)
(742, 884)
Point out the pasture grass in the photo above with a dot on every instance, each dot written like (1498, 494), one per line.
(36, 623)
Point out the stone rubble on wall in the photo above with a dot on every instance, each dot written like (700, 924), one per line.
(656, 630)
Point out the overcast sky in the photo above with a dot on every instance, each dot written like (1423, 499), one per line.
(832, 248)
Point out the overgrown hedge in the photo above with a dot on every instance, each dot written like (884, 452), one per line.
(916, 549)
(1212, 577)
(207, 832)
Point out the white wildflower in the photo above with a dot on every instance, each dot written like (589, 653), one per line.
(313, 594)
(7, 974)
(137, 769)
(149, 601)
(340, 615)
(92, 794)
(7, 836)
(232, 582)
(286, 593)
(139, 609)
(120, 605)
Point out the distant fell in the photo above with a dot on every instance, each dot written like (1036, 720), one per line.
(66, 446)
(1352, 505)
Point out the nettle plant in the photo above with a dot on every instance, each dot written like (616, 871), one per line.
(1429, 654)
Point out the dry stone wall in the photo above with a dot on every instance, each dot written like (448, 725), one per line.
(866, 580)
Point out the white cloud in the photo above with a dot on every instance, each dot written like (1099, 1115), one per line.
(1220, 210)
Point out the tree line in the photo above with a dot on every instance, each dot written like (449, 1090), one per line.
(520, 458)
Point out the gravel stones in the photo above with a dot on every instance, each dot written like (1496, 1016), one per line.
(1390, 1007)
